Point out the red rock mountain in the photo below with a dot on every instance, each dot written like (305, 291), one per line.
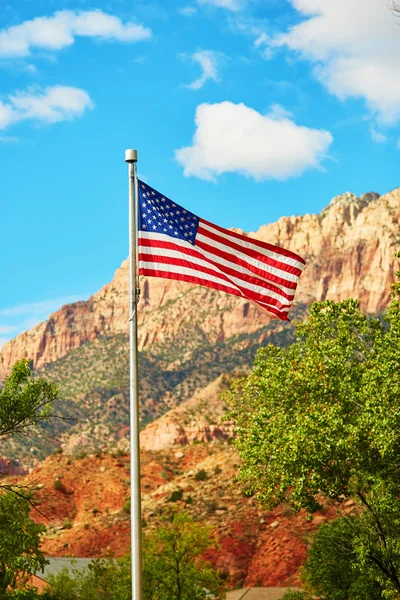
(349, 248)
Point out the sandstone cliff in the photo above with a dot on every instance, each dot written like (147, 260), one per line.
(195, 420)
(349, 248)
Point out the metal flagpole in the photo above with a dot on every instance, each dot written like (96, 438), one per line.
(134, 291)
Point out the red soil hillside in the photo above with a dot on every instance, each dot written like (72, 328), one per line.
(83, 503)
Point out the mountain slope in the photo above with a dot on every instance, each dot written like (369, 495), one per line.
(190, 335)
(349, 249)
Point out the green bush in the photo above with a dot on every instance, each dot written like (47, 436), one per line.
(201, 475)
(59, 486)
(175, 496)
(343, 562)
(173, 568)
(296, 595)
(67, 524)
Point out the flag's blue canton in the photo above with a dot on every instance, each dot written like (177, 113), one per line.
(158, 214)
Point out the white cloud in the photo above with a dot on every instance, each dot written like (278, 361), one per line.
(51, 105)
(209, 63)
(5, 329)
(235, 138)
(22, 317)
(262, 40)
(188, 11)
(279, 112)
(9, 139)
(354, 47)
(378, 136)
(59, 31)
(233, 5)
(262, 43)
(45, 307)
(246, 25)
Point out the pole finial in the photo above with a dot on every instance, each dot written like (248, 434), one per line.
(130, 156)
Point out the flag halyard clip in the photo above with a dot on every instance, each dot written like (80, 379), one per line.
(137, 297)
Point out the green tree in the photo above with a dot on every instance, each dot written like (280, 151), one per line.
(28, 593)
(173, 567)
(24, 402)
(335, 570)
(19, 542)
(295, 595)
(322, 417)
(100, 581)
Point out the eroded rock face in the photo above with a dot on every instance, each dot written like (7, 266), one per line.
(349, 248)
(199, 419)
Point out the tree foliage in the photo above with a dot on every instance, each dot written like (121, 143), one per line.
(322, 417)
(100, 581)
(173, 568)
(346, 558)
(24, 400)
(19, 542)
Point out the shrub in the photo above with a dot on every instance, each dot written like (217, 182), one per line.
(175, 496)
(296, 595)
(201, 475)
(67, 524)
(211, 505)
(59, 486)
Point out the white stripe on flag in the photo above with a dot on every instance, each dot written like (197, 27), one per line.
(254, 247)
(240, 283)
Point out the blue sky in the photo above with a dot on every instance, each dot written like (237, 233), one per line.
(241, 110)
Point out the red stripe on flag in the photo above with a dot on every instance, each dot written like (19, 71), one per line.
(235, 262)
(259, 243)
(252, 253)
(243, 291)
(274, 313)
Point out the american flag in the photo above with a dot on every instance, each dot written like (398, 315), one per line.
(176, 244)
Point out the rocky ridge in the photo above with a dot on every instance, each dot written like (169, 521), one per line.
(349, 249)
(198, 419)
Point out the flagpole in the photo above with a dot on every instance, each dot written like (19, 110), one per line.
(134, 291)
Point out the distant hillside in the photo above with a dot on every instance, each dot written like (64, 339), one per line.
(95, 386)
